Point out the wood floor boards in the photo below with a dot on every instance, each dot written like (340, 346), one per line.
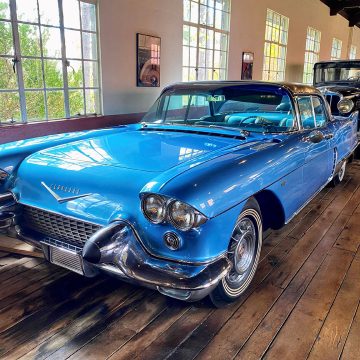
(302, 304)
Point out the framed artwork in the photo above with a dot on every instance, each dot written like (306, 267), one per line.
(247, 66)
(148, 60)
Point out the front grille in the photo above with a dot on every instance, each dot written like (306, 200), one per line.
(66, 259)
(59, 227)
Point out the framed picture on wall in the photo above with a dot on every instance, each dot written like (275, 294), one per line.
(247, 65)
(148, 60)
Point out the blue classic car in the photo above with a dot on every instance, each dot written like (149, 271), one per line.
(179, 201)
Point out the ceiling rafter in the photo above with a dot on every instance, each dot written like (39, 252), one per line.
(349, 9)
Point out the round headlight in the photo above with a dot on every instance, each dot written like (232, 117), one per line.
(154, 208)
(345, 106)
(184, 217)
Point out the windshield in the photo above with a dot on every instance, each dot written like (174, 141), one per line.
(268, 109)
(337, 74)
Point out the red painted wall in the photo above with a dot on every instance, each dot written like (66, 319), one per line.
(16, 132)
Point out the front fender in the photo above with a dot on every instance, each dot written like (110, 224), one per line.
(215, 186)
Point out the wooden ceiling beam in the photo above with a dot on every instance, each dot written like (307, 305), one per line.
(338, 5)
(354, 19)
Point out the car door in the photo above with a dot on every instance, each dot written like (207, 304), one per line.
(317, 134)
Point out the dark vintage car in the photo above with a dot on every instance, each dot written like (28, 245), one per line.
(339, 81)
(179, 201)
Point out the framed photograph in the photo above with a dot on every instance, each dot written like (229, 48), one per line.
(148, 60)
(247, 66)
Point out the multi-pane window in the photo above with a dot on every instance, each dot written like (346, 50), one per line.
(205, 39)
(48, 59)
(336, 49)
(352, 53)
(276, 38)
(312, 51)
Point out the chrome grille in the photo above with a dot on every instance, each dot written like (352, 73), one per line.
(66, 259)
(59, 227)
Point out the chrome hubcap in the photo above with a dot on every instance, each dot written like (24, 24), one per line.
(242, 251)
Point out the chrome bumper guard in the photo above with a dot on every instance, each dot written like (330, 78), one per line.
(116, 249)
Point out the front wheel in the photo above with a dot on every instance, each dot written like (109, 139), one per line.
(244, 253)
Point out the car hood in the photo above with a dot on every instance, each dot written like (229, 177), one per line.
(150, 150)
(111, 171)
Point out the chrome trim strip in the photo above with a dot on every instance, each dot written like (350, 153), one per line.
(61, 200)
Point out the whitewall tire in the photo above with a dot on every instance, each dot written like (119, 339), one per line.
(244, 253)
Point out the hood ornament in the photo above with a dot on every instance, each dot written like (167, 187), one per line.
(62, 200)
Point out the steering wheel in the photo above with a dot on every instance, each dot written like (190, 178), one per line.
(258, 120)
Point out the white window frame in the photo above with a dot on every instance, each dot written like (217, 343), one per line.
(336, 49)
(194, 64)
(312, 53)
(274, 66)
(18, 57)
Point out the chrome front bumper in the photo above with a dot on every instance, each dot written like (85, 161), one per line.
(181, 280)
(116, 249)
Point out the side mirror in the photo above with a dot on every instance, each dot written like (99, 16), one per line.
(316, 136)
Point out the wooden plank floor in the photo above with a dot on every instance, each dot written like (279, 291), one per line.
(303, 303)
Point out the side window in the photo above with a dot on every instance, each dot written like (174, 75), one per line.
(320, 113)
(306, 112)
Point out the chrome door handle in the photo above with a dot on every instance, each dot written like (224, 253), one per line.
(329, 136)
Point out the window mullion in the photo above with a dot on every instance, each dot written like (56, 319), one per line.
(82, 59)
(213, 28)
(99, 87)
(19, 69)
(197, 45)
(43, 66)
(64, 60)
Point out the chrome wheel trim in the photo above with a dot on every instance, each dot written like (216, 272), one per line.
(244, 252)
(341, 173)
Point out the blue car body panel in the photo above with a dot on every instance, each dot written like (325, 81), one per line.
(210, 169)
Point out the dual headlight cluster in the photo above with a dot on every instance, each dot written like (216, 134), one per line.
(160, 209)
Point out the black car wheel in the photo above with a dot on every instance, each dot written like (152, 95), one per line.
(244, 252)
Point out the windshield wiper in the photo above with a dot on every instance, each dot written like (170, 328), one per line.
(243, 132)
(237, 130)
